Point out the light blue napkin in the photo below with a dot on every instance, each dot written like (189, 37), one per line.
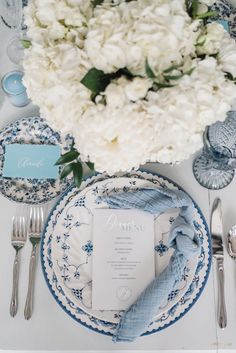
(182, 238)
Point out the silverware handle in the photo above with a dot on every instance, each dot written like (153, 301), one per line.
(222, 315)
(14, 296)
(29, 300)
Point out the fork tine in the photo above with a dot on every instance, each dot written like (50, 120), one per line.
(13, 227)
(37, 220)
(23, 232)
(42, 219)
(32, 218)
(18, 223)
(25, 229)
(17, 229)
(21, 227)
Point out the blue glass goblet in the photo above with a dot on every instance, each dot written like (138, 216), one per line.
(215, 167)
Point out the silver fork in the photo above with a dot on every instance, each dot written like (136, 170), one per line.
(35, 230)
(18, 239)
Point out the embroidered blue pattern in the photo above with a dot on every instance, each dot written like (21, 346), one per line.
(88, 247)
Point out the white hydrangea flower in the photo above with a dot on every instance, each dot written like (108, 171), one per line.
(115, 139)
(207, 2)
(210, 41)
(129, 123)
(115, 95)
(184, 111)
(46, 15)
(137, 88)
(128, 34)
(49, 21)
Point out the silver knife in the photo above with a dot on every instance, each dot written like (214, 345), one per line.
(218, 254)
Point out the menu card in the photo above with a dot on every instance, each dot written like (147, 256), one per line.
(123, 257)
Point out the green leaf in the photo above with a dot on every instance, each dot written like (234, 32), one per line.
(67, 157)
(194, 8)
(174, 77)
(206, 15)
(148, 70)
(171, 68)
(96, 3)
(66, 171)
(158, 85)
(96, 80)
(77, 173)
(26, 43)
(90, 165)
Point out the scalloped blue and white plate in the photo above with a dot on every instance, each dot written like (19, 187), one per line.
(67, 251)
(32, 130)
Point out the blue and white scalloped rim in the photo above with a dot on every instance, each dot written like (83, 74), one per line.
(167, 318)
(32, 130)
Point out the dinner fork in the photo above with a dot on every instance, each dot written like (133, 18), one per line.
(35, 230)
(18, 239)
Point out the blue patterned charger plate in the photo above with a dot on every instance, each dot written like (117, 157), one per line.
(32, 130)
(67, 251)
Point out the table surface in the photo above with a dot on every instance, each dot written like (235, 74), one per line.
(51, 329)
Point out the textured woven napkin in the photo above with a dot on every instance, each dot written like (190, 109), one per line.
(183, 239)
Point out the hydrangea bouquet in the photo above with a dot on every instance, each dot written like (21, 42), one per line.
(132, 80)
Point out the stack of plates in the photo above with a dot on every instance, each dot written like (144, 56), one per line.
(67, 252)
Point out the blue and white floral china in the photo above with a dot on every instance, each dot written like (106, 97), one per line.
(227, 12)
(67, 252)
(32, 130)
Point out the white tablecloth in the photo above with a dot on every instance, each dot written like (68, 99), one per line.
(51, 329)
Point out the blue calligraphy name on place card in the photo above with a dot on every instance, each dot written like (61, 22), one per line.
(31, 161)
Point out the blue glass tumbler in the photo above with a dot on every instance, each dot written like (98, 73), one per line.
(215, 167)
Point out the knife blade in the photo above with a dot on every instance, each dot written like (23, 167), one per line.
(218, 255)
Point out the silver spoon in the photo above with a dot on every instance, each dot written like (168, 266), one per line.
(232, 242)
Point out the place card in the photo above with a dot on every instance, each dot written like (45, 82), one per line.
(123, 257)
(31, 161)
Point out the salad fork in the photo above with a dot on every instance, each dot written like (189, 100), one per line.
(35, 230)
(18, 239)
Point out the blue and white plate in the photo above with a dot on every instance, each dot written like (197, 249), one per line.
(67, 251)
(32, 130)
(227, 12)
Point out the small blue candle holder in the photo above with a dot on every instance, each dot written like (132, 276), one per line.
(13, 86)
